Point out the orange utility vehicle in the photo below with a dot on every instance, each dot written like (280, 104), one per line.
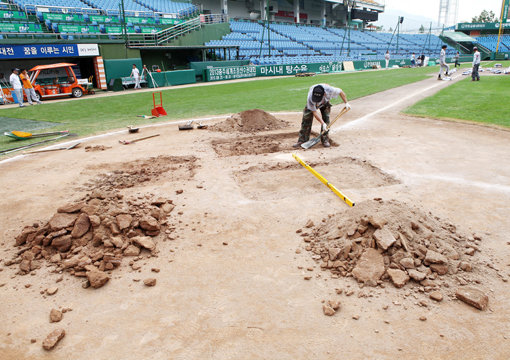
(58, 80)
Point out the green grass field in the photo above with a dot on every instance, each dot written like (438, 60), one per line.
(485, 101)
(94, 115)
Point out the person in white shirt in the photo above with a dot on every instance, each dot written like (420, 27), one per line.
(318, 100)
(387, 58)
(475, 76)
(413, 60)
(135, 73)
(16, 85)
(442, 63)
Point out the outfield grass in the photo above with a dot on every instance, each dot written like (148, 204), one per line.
(93, 115)
(485, 101)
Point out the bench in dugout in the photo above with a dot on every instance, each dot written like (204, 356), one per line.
(130, 81)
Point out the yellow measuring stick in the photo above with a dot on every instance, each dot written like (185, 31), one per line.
(324, 181)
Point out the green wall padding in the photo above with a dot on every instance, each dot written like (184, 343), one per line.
(167, 78)
(200, 66)
(117, 68)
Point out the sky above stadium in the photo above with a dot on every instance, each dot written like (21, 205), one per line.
(418, 11)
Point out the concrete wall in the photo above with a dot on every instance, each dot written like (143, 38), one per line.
(117, 51)
(205, 34)
(242, 8)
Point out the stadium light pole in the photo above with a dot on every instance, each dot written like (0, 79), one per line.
(504, 15)
(123, 17)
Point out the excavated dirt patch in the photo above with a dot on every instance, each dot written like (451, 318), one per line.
(135, 173)
(89, 238)
(285, 179)
(259, 144)
(377, 242)
(250, 121)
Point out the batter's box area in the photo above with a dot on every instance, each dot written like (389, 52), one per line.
(258, 144)
(284, 180)
(116, 176)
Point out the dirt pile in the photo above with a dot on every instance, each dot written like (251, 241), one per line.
(90, 238)
(379, 241)
(250, 121)
(135, 173)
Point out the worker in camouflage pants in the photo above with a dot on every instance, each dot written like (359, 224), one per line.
(318, 99)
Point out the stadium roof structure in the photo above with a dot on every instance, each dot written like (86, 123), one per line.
(368, 4)
(458, 36)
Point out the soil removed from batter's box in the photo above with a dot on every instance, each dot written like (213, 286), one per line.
(250, 121)
(137, 172)
(260, 144)
(388, 241)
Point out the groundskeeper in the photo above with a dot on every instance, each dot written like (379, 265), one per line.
(442, 63)
(318, 100)
(135, 73)
(16, 85)
(475, 76)
(29, 89)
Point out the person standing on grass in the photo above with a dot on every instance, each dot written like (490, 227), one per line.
(318, 100)
(29, 89)
(16, 85)
(413, 60)
(135, 73)
(442, 63)
(475, 76)
(387, 58)
(456, 58)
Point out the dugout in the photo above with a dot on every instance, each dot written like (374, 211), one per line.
(26, 56)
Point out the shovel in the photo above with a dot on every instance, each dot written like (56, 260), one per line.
(8, 151)
(22, 135)
(127, 142)
(56, 149)
(315, 140)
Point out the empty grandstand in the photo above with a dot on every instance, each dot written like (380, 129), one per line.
(176, 34)
(275, 43)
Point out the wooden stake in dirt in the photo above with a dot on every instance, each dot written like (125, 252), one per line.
(324, 181)
(127, 142)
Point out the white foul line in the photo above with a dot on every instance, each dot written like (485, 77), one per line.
(453, 179)
(68, 143)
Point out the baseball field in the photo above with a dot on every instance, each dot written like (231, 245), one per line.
(216, 243)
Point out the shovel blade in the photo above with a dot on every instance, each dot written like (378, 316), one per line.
(310, 143)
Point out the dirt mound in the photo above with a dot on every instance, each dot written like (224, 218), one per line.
(250, 121)
(134, 173)
(380, 241)
(90, 238)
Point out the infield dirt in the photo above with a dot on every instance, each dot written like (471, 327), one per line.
(232, 275)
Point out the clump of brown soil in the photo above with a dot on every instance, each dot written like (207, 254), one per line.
(137, 172)
(250, 121)
(379, 241)
(90, 238)
(90, 148)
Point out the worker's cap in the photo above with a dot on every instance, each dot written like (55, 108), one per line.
(475, 48)
(15, 69)
(317, 93)
(444, 47)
